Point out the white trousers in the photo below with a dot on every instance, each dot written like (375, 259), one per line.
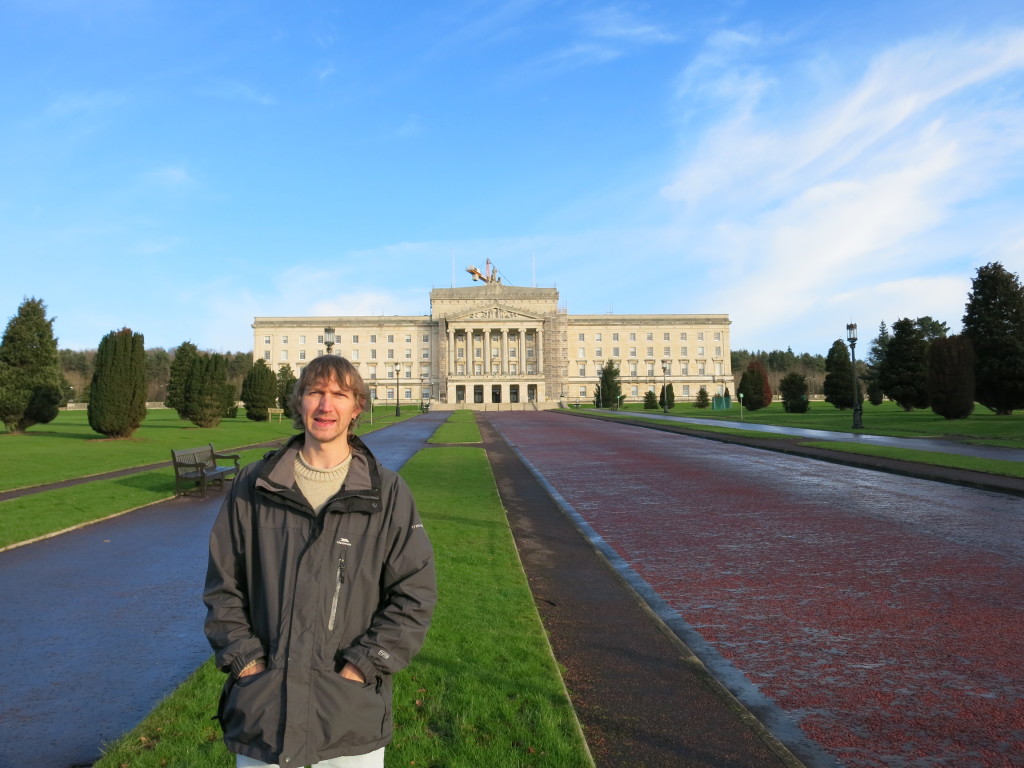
(369, 760)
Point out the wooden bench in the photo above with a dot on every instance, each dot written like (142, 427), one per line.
(196, 468)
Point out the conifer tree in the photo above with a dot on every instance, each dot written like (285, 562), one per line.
(117, 394)
(204, 391)
(650, 401)
(994, 322)
(903, 375)
(286, 382)
(754, 386)
(702, 400)
(793, 390)
(259, 391)
(31, 383)
(609, 387)
(838, 385)
(181, 369)
(951, 377)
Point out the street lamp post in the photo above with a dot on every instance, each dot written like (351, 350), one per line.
(664, 384)
(851, 336)
(329, 338)
(398, 398)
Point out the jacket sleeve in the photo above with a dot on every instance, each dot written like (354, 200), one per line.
(408, 593)
(228, 627)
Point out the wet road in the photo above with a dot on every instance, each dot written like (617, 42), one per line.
(879, 614)
(101, 623)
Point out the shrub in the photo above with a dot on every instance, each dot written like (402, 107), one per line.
(117, 393)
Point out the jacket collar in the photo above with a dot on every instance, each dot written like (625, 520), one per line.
(278, 475)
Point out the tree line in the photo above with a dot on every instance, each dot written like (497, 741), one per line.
(120, 377)
(917, 364)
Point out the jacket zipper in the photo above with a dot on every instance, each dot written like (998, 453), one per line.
(337, 593)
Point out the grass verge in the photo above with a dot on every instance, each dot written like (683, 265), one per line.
(460, 427)
(484, 691)
(953, 461)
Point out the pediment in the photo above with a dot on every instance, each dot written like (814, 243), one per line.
(495, 312)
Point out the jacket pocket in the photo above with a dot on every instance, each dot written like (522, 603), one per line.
(251, 710)
(351, 714)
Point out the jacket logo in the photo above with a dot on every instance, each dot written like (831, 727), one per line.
(344, 541)
(383, 654)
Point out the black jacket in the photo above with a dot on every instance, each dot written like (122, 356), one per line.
(310, 592)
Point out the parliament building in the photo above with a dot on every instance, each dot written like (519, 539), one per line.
(496, 346)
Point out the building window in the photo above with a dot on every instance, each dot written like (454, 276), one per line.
(700, 351)
(583, 369)
(391, 338)
(632, 369)
(666, 336)
(667, 351)
(302, 354)
(355, 338)
(373, 338)
(408, 394)
(634, 391)
(460, 353)
(650, 337)
(686, 390)
(408, 338)
(718, 335)
(597, 337)
(426, 338)
(683, 352)
(632, 351)
(632, 337)
(582, 337)
(355, 354)
(284, 339)
(426, 354)
(615, 352)
(284, 355)
(686, 367)
(373, 354)
(581, 352)
(650, 351)
(700, 369)
(266, 354)
(599, 351)
(582, 392)
(700, 336)
(408, 354)
(682, 336)
(615, 337)
(391, 354)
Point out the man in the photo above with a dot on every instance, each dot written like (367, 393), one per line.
(320, 587)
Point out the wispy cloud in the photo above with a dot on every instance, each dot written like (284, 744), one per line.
(616, 23)
(70, 104)
(872, 183)
(238, 91)
(171, 176)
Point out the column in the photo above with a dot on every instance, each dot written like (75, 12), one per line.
(540, 352)
(504, 351)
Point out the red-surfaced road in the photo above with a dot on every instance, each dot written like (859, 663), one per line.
(883, 615)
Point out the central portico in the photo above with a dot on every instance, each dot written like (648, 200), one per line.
(499, 344)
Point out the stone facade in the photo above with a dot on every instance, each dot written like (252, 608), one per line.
(500, 346)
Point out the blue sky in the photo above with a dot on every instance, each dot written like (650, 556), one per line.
(182, 167)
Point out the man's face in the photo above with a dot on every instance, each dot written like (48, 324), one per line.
(328, 409)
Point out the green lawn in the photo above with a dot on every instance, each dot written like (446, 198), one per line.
(67, 448)
(484, 691)
(460, 427)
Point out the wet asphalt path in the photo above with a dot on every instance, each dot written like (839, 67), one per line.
(905, 443)
(100, 623)
(875, 615)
